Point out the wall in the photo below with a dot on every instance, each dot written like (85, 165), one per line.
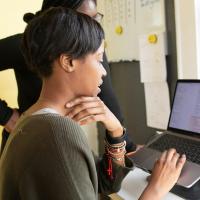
(187, 54)
(130, 92)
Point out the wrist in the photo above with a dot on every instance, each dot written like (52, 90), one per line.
(116, 140)
(151, 192)
(117, 132)
(154, 192)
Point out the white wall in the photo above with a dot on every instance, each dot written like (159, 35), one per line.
(187, 37)
(197, 17)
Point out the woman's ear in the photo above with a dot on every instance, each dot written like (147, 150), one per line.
(66, 63)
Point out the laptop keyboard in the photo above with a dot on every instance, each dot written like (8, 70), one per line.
(188, 147)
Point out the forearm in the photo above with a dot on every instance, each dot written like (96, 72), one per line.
(114, 165)
(150, 193)
(10, 47)
(5, 112)
(108, 184)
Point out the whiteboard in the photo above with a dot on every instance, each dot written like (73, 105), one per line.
(125, 20)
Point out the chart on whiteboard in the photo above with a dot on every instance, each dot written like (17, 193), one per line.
(124, 21)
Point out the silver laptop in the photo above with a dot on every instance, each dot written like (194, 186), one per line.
(183, 134)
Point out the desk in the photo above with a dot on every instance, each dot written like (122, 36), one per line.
(134, 184)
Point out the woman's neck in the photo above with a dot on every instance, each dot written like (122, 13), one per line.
(54, 96)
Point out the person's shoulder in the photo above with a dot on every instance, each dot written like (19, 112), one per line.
(35, 123)
(53, 125)
(57, 123)
(12, 38)
(66, 129)
(57, 120)
(50, 120)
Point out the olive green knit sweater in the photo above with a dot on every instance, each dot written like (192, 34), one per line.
(47, 157)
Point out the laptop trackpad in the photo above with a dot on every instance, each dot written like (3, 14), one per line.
(190, 173)
(151, 159)
(145, 158)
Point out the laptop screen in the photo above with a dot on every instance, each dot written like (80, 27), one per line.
(185, 114)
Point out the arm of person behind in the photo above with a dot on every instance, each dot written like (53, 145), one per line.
(10, 58)
(108, 96)
(10, 53)
(8, 119)
(6, 112)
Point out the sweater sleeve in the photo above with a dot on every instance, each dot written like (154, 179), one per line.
(108, 96)
(10, 53)
(111, 184)
(10, 58)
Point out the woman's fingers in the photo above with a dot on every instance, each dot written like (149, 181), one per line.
(80, 100)
(163, 156)
(170, 154)
(90, 119)
(167, 171)
(180, 163)
(84, 108)
(88, 112)
(88, 109)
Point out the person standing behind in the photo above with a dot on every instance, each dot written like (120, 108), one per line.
(29, 84)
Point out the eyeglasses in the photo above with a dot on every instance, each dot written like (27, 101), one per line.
(98, 17)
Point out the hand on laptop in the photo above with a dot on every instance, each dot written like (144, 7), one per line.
(165, 174)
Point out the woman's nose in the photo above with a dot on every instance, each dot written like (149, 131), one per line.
(104, 73)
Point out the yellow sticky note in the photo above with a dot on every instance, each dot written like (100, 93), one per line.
(119, 30)
(152, 38)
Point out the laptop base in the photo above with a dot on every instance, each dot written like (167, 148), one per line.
(192, 193)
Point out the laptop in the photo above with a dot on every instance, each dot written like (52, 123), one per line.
(183, 134)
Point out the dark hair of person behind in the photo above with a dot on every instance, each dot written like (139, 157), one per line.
(59, 31)
(46, 4)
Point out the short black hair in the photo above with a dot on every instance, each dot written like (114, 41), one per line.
(73, 4)
(46, 4)
(59, 31)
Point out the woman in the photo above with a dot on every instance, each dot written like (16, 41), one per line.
(47, 155)
(29, 84)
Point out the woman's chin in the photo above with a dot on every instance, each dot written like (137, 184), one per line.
(97, 92)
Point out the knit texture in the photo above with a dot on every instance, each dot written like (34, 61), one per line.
(48, 157)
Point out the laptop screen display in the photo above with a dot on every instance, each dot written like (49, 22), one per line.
(185, 114)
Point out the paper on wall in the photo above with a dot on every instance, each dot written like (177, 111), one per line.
(124, 20)
(157, 104)
(119, 23)
(152, 58)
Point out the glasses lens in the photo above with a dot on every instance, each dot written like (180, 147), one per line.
(98, 17)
